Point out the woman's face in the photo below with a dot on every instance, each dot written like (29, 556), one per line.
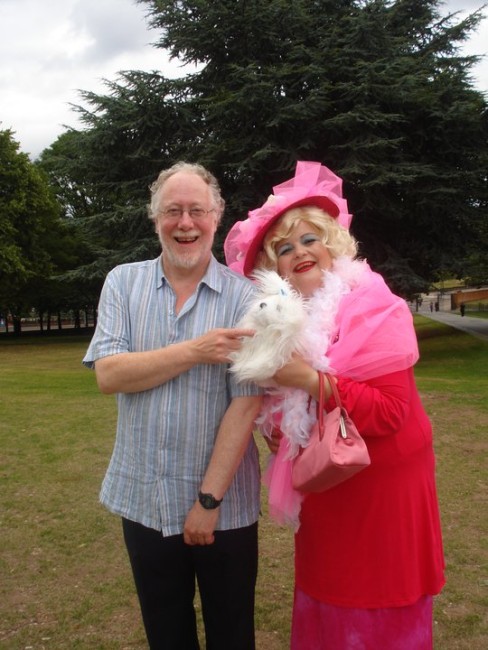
(302, 257)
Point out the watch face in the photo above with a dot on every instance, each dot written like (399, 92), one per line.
(208, 501)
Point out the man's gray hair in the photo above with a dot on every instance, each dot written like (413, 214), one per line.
(190, 168)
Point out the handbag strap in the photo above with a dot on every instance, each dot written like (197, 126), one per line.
(335, 393)
(333, 387)
(321, 404)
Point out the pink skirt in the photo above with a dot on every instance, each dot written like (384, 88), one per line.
(318, 626)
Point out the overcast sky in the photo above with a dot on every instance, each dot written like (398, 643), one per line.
(49, 50)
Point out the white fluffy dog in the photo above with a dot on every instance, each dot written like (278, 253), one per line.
(277, 315)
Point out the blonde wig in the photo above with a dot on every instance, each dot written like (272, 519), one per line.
(334, 237)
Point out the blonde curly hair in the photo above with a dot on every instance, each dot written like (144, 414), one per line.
(334, 237)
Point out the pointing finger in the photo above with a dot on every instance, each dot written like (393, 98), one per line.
(240, 332)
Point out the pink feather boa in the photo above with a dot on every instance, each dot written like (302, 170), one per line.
(356, 327)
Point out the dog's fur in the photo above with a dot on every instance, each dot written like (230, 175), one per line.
(277, 315)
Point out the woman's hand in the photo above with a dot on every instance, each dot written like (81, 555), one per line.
(273, 441)
(297, 373)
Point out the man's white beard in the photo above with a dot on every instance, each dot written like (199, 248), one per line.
(184, 261)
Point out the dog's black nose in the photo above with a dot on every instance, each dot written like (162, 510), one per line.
(262, 305)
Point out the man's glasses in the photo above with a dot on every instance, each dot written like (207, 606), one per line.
(195, 213)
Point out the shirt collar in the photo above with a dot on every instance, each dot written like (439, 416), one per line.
(212, 277)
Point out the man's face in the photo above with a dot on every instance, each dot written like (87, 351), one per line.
(186, 240)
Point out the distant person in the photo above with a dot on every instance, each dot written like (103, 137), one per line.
(184, 474)
(462, 308)
(431, 307)
(368, 552)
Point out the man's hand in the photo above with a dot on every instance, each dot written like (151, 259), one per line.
(132, 372)
(216, 345)
(232, 440)
(200, 526)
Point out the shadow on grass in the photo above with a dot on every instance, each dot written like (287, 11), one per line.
(47, 337)
(430, 329)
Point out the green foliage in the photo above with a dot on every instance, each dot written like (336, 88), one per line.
(102, 174)
(375, 89)
(475, 269)
(26, 212)
(34, 242)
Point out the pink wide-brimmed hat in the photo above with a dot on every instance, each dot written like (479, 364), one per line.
(313, 184)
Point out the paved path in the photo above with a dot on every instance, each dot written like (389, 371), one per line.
(475, 326)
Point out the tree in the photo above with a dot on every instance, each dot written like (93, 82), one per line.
(34, 242)
(375, 89)
(101, 174)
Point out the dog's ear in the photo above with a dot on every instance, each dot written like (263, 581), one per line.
(269, 283)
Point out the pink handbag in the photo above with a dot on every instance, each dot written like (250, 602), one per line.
(335, 451)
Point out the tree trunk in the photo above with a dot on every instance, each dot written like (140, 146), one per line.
(17, 325)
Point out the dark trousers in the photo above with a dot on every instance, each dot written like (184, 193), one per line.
(165, 569)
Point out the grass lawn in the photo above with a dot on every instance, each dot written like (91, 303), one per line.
(64, 577)
(478, 314)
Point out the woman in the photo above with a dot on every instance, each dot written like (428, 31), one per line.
(368, 552)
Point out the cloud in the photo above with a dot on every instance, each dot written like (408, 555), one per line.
(462, 5)
(477, 43)
(52, 50)
(110, 27)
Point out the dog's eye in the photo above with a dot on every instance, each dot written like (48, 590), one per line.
(262, 305)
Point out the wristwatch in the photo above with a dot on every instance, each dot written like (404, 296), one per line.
(208, 501)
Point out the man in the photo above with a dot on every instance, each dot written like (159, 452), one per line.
(184, 473)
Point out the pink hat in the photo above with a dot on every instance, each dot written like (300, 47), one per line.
(313, 184)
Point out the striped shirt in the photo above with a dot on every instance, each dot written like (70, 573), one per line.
(165, 436)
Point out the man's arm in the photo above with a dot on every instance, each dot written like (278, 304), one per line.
(132, 372)
(230, 445)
